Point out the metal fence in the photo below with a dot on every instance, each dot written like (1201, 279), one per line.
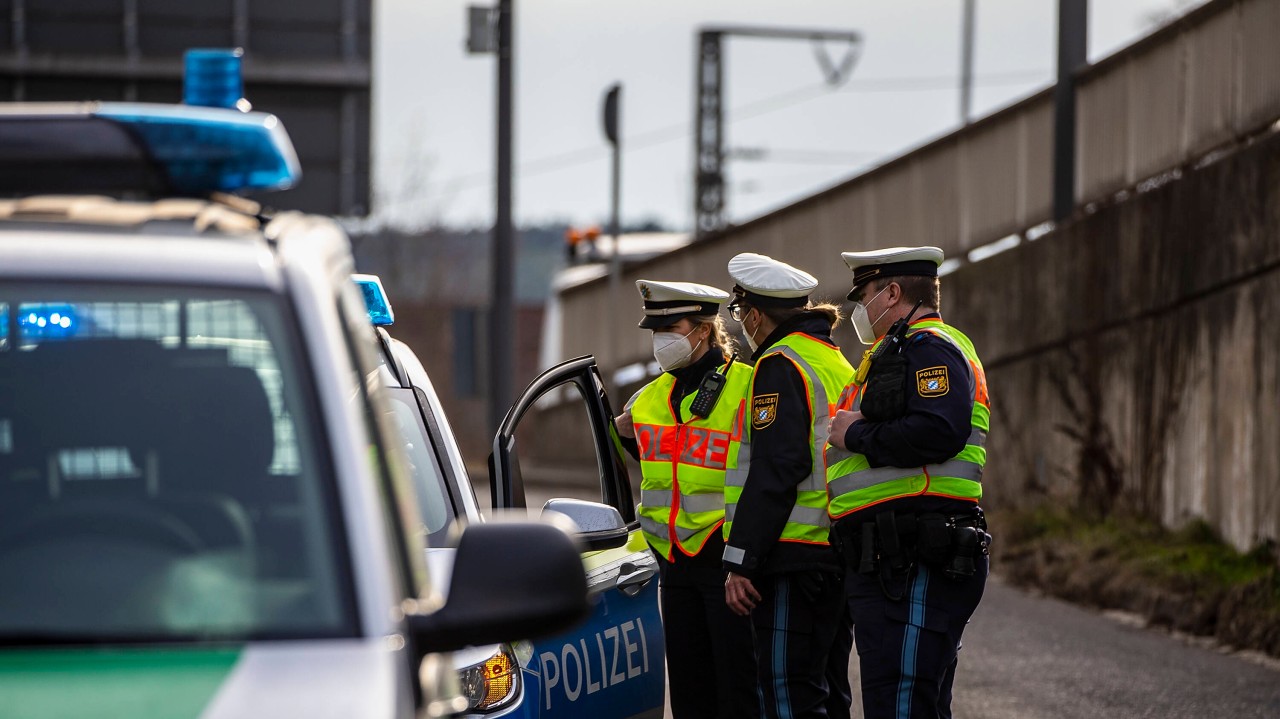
(1205, 81)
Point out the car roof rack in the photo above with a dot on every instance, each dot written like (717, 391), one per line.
(220, 213)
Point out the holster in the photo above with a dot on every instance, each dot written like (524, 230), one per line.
(890, 543)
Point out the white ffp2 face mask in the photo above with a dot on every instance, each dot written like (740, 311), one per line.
(751, 341)
(672, 349)
(862, 323)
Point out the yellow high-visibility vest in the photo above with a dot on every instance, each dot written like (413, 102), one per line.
(853, 484)
(826, 373)
(683, 464)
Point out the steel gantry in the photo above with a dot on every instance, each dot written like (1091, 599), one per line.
(709, 185)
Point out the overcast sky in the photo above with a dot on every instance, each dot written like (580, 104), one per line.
(434, 104)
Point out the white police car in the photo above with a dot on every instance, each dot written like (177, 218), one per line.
(204, 510)
(611, 667)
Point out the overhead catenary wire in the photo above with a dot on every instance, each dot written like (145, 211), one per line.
(658, 136)
(813, 177)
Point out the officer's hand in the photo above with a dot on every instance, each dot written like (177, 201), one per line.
(839, 425)
(625, 427)
(740, 594)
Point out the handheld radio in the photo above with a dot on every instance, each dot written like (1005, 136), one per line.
(884, 396)
(709, 390)
(896, 336)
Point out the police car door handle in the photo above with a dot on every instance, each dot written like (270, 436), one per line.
(633, 578)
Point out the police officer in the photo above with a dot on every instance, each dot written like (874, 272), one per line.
(782, 569)
(904, 479)
(686, 424)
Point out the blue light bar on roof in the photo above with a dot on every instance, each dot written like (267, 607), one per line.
(206, 150)
(375, 300)
(211, 78)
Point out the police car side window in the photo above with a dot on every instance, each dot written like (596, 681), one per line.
(557, 450)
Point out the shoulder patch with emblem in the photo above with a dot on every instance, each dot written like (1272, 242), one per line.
(932, 381)
(764, 409)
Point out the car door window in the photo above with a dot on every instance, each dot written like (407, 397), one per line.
(572, 467)
(567, 407)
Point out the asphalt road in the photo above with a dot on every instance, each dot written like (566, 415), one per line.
(1037, 658)
(1028, 657)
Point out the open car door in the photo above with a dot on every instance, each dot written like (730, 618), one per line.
(613, 666)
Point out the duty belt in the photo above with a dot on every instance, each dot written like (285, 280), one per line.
(892, 542)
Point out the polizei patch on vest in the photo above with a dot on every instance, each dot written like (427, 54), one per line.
(932, 381)
(764, 409)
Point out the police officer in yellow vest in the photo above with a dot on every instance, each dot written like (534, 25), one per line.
(686, 425)
(904, 479)
(783, 571)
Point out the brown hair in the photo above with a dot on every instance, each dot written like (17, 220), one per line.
(719, 334)
(778, 315)
(926, 290)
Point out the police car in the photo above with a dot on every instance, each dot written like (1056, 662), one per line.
(611, 667)
(204, 507)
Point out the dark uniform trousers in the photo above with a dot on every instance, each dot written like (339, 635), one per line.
(711, 663)
(839, 693)
(802, 628)
(908, 648)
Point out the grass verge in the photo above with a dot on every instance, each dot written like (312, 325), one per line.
(1186, 579)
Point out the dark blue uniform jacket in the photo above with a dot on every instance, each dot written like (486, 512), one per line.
(934, 428)
(780, 459)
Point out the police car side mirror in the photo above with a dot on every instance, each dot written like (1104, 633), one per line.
(511, 581)
(599, 525)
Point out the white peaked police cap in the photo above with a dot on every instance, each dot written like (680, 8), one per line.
(891, 262)
(665, 303)
(764, 281)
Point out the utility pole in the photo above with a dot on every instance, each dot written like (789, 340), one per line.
(966, 64)
(613, 133)
(708, 144)
(501, 326)
(490, 32)
(708, 153)
(1073, 44)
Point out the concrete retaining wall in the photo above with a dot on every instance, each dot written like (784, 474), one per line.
(1136, 352)
(1133, 356)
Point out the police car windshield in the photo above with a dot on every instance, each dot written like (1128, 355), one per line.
(434, 503)
(160, 475)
